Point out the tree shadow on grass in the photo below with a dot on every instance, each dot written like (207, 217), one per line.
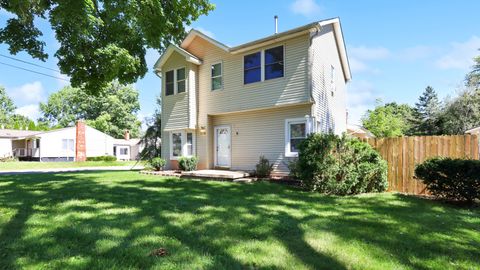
(109, 220)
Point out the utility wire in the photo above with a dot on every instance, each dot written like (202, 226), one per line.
(29, 63)
(48, 75)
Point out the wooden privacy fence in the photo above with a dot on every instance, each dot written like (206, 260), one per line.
(403, 153)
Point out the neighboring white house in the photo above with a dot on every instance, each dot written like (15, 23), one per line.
(127, 149)
(230, 105)
(65, 144)
(359, 131)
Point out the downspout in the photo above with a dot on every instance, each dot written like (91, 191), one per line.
(313, 34)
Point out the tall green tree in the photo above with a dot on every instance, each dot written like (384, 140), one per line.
(389, 120)
(473, 77)
(152, 137)
(7, 108)
(426, 114)
(113, 111)
(100, 40)
(461, 113)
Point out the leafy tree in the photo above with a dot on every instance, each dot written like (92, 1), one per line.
(473, 77)
(18, 121)
(427, 110)
(462, 113)
(152, 137)
(7, 107)
(113, 111)
(387, 120)
(99, 40)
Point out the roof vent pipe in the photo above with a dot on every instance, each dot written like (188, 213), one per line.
(276, 24)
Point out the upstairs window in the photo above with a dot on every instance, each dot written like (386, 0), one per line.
(180, 80)
(252, 68)
(217, 76)
(274, 63)
(169, 85)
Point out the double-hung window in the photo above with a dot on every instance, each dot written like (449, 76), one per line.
(68, 145)
(182, 144)
(274, 63)
(169, 83)
(252, 68)
(175, 81)
(181, 80)
(217, 74)
(295, 133)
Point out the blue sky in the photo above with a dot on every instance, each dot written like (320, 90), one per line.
(395, 48)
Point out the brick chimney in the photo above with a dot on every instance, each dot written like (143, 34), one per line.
(126, 135)
(80, 145)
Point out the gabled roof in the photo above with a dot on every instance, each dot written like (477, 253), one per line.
(473, 130)
(174, 48)
(263, 42)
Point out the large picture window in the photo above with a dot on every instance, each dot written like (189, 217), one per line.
(169, 84)
(295, 133)
(217, 82)
(252, 68)
(274, 63)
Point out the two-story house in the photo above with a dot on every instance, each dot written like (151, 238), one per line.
(229, 105)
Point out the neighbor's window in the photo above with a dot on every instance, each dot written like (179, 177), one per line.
(217, 76)
(169, 84)
(67, 145)
(189, 144)
(180, 80)
(252, 68)
(177, 144)
(274, 63)
(296, 132)
(124, 151)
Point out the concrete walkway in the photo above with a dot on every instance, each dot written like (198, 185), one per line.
(67, 170)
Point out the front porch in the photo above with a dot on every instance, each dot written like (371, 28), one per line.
(27, 149)
(203, 174)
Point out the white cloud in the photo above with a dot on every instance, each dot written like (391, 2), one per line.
(31, 111)
(27, 93)
(369, 53)
(361, 96)
(307, 8)
(416, 53)
(460, 55)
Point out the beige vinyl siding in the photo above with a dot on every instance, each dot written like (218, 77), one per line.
(235, 96)
(175, 111)
(260, 132)
(329, 110)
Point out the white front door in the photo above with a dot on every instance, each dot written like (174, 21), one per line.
(222, 146)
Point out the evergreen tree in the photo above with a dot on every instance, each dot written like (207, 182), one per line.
(426, 113)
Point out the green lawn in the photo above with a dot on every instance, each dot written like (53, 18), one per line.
(25, 165)
(113, 220)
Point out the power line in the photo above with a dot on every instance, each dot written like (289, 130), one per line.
(29, 63)
(48, 75)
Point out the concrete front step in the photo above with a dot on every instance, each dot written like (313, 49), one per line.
(216, 174)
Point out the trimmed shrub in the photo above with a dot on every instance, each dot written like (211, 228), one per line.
(157, 163)
(263, 168)
(188, 163)
(340, 165)
(102, 158)
(452, 179)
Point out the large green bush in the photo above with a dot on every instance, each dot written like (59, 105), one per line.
(339, 165)
(453, 179)
(102, 158)
(188, 163)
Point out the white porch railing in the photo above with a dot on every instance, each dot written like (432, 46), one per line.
(26, 152)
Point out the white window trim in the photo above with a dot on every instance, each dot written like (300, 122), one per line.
(175, 81)
(288, 122)
(212, 77)
(262, 64)
(183, 140)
